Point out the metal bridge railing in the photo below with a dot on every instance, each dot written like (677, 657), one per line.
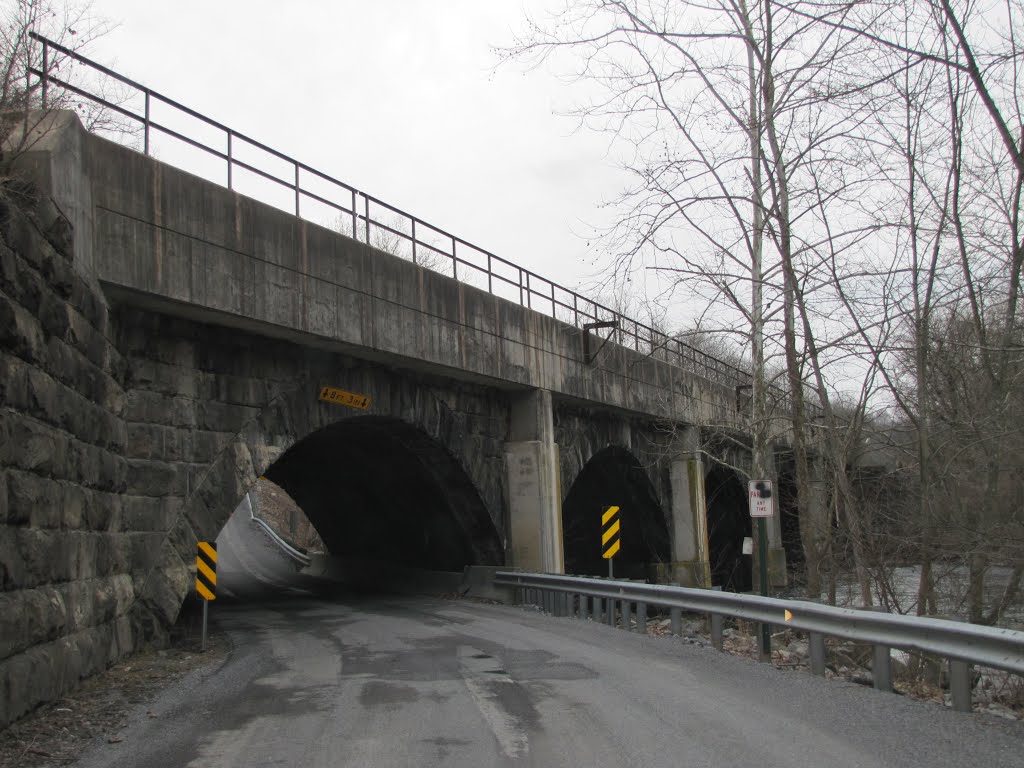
(364, 216)
(298, 556)
(961, 643)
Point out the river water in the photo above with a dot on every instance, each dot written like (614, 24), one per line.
(950, 587)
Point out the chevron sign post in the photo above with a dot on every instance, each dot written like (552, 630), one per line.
(206, 578)
(610, 540)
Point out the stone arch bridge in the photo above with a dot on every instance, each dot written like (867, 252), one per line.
(163, 341)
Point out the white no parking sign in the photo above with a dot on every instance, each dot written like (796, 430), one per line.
(762, 499)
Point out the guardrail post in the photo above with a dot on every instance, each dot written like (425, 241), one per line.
(598, 608)
(816, 646)
(960, 684)
(641, 618)
(881, 661)
(627, 614)
(881, 668)
(610, 612)
(582, 607)
(717, 625)
(677, 621)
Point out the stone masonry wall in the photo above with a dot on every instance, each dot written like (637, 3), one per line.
(67, 563)
(208, 409)
(127, 435)
(582, 432)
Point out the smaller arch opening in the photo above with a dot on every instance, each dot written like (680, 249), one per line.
(613, 476)
(728, 524)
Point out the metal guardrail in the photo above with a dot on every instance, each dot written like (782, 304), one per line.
(300, 557)
(363, 213)
(961, 643)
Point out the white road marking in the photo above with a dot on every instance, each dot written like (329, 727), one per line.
(480, 678)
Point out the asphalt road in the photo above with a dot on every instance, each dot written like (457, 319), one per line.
(347, 680)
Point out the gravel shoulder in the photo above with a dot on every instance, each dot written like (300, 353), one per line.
(103, 706)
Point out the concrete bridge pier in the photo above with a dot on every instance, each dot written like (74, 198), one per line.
(689, 515)
(534, 496)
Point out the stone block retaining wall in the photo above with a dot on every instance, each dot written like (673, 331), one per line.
(67, 558)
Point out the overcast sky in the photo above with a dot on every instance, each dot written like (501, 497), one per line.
(399, 98)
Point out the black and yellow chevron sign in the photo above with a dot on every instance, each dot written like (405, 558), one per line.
(610, 540)
(206, 570)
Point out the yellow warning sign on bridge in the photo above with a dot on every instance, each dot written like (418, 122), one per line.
(206, 570)
(341, 397)
(610, 541)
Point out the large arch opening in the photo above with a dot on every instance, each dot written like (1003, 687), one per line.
(728, 524)
(380, 489)
(613, 476)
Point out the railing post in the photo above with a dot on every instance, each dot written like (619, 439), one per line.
(366, 211)
(414, 242)
(960, 684)
(231, 163)
(297, 193)
(610, 612)
(641, 618)
(46, 74)
(490, 276)
(816, 646)
(597, 608)
(355, 218)
(582, 615)
(677, 621)
(145, 139)
(627, 614)
(455, 262)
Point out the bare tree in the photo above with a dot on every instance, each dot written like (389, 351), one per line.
(74, 26)
(729, 109)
